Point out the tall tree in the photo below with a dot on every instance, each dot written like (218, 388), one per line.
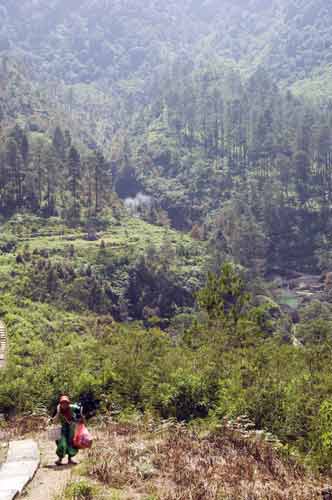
(74, 180)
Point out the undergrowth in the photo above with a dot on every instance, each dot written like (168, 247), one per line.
(170, 461)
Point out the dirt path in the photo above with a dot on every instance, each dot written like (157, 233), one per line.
(50, 480)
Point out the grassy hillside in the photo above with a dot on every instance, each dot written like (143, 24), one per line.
(115, 321)
(39, 108)
(129, 268)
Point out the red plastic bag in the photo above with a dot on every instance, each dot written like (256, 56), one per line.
(82, 438)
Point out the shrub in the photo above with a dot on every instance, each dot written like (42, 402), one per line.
(80, 490)
(7, 244)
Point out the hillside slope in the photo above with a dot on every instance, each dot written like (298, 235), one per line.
(40, 107)
(112, 41)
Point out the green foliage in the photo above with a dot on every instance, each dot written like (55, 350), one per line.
(197, 123)
(225, 364)
(184, 394)
(218, 146)
(52, 179)
(7, 243)
(80, 490)
(224, 296)
(314, 332)
(128, 269)
(322, 437)
(80, 55)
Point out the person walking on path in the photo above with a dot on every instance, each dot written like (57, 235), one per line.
(68, 415)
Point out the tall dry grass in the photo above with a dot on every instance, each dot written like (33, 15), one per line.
(174, 463)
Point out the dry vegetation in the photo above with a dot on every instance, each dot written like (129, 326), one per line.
(24, 425)
(171, 462)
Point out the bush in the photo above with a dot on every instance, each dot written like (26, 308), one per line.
(321, 453)
(7, 244)
(80, 490)
(185, 397)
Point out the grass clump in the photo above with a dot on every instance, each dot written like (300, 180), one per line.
(80, 490)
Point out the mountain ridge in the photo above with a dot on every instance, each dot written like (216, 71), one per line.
(97, 41)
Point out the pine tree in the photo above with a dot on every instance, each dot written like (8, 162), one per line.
(59, 143)
(74, 181)
(101, 180)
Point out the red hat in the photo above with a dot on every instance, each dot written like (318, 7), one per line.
(64, 399)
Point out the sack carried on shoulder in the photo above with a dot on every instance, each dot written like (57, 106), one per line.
(54, 433)
(82, 437)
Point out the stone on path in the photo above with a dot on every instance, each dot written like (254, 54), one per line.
(22, 451)
(22, 463)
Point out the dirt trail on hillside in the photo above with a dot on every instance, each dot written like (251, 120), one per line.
(50, 480)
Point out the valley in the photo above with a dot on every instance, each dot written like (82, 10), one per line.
(166, 243)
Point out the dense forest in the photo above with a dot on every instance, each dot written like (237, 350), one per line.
(209, 149)
(205, 124)
(165, 184)
(89, 40)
